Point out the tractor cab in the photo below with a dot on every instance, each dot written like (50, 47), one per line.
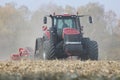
(64, 38)
(60, 22)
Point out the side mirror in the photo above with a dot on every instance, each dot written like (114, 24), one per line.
(45, 20)
(90, 19)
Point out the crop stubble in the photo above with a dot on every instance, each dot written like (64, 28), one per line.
(59, 70)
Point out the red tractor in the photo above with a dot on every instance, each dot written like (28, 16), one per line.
(64, 39)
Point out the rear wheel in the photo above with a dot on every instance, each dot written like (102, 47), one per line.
(93, 50)
(48, 50)
(38, 48)
(42, 52)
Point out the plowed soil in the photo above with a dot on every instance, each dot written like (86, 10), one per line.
(59, 70)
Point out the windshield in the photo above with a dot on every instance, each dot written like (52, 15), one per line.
(61, 23)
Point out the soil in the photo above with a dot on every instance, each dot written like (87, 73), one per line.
(59, 70)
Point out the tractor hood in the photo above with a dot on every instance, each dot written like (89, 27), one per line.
(70, 31)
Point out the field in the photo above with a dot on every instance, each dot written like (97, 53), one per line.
(59, 70)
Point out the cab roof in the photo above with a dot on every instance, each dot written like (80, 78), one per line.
(65, 15)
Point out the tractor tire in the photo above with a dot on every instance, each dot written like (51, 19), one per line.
(85, 44)
(50, 45)
(93, 50)
(49, 51)
(42, 52)
(38, 48)
(90, 50)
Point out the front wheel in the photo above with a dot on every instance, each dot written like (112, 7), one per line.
(49, 50)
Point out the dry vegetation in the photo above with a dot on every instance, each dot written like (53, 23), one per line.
(60, 70)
